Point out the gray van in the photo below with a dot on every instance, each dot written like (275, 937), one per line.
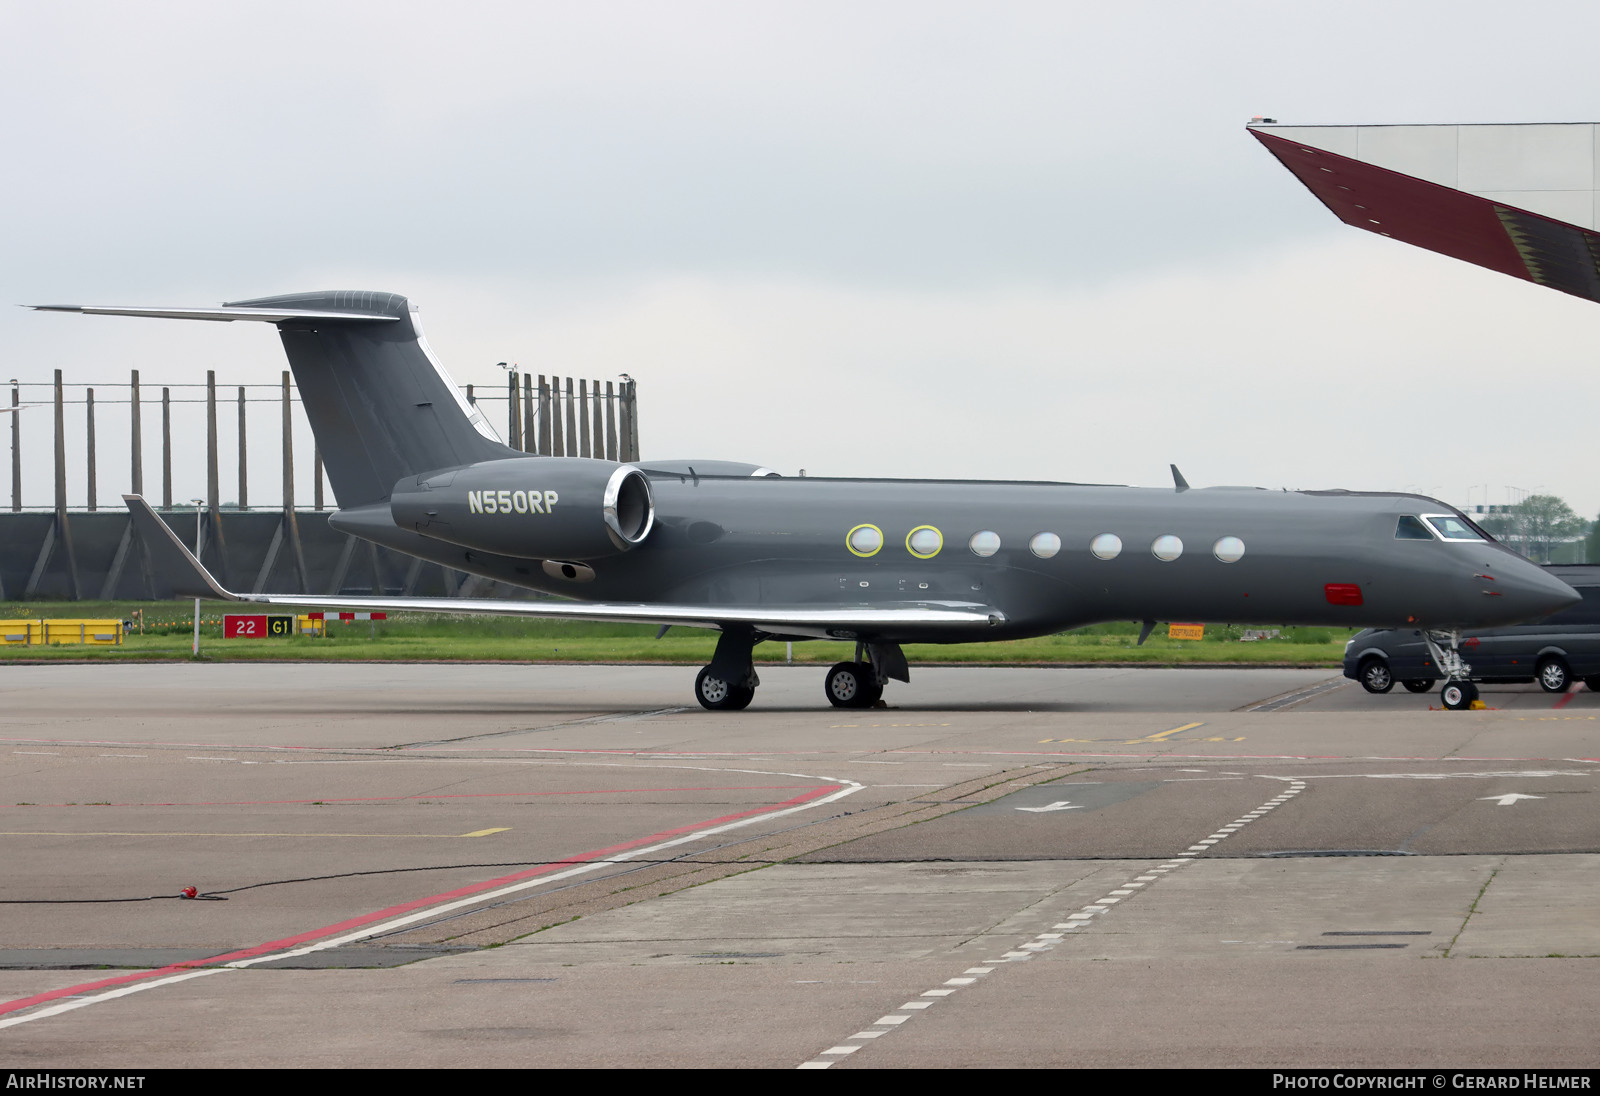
(1554, 651)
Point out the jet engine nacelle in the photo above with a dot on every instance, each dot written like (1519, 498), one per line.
(564, 508)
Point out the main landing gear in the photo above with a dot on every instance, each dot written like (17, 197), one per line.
(859, 684)
(729, 683)
(714, 693)
(1459, 692)
(853, 685)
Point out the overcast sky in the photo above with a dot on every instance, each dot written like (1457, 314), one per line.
(1013, 240)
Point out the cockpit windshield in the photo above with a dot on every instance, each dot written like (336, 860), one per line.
(1411, 528)
(1450, 527)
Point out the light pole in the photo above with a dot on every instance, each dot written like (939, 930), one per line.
(198, 526)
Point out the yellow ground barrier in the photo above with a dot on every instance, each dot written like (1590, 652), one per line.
(91, 633)
(21, 632)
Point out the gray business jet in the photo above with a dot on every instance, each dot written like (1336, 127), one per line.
(757, 556)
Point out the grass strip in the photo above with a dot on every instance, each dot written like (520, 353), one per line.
(432, 637)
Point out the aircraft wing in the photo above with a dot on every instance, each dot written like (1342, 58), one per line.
(189, 578)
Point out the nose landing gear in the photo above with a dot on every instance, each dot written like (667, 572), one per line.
(1458, 695)
(1459, 692)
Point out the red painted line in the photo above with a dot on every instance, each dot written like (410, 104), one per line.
(199, 745)
(423, 798)
(395, 911)
(1566, 698)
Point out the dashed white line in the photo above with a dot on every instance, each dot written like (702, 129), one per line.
(1046, 941)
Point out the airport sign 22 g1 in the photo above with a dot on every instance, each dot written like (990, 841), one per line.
(239, 626)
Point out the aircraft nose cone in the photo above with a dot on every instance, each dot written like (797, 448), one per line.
(1527, 592)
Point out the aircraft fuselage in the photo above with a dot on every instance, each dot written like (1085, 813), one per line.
(1223, 555)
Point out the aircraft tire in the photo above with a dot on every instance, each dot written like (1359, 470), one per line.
(1375, 676)
(871, 690)
(716, 695)
(847, 686)
(1593, 681)
(1553, 675)
(1458, 695)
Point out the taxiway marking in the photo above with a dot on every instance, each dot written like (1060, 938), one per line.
(392, 918)
(180, 833)
(1049, 939)
(425, 797)
(1566, 698)
(1164, 734)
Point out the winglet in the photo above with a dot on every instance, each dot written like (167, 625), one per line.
(169, 559)
(1178, 482)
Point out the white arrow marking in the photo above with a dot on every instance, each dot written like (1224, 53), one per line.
(1507, 800)
(1058, 805)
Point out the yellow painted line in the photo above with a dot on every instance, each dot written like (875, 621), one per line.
(1165, 734)
(486, 833)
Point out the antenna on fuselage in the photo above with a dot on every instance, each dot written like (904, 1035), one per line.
(1178, 482)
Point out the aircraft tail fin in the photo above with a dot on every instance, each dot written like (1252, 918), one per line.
(380, 403)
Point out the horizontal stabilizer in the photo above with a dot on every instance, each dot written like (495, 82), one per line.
(262, 315)
(175, 565)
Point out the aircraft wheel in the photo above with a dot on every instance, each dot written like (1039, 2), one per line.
(871, 691)
(1458, 695)
(1375, 677)
(1593, 681)
(1417, 686)
(715, 694)
(1554, 677)
(849, 685)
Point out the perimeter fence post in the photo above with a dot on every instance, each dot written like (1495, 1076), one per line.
(136, 442)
